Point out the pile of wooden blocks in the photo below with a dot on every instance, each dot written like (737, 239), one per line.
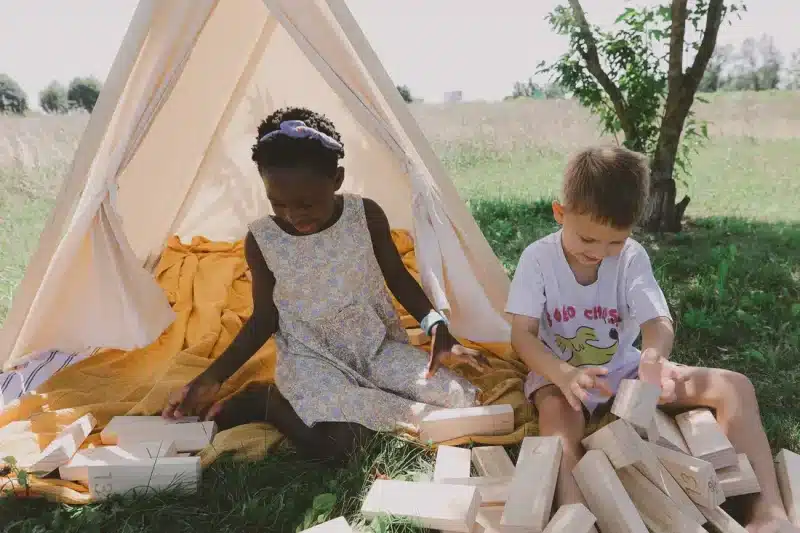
(645, 471)
(138, 453)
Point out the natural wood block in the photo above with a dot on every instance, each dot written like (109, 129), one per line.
(669, 435)
(605, 496)
(63, 447)
(705, 438)
(489, 519)
(721, 521)
(429, 505)
(492, 461)
(636, 402)
(787, 467)
(337, 525)
(446, 424)
(452, 462)
(189, 435)
(145, 475)
(739, 479)
(417, 337)
(530, 496)
(669, 487)
(623, 447)
(17, 440)
(696, 477)
(77, 469)
(659, 512)
(572, 518)
(493, 490)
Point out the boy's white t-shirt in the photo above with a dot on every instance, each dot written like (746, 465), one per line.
(592, 325)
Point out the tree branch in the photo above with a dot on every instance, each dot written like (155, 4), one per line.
(592, 58)
(713, 22)
(676, 38)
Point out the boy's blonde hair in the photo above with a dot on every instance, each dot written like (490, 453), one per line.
(610, 183)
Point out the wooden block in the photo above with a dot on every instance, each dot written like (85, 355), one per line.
(492, 461)
(739, 479)
(636, 402)
(147, 474)
(428, 505)
(605, 496)
(446, 424)
(705, 439)
(696, 477)
(409, 322)
(78, 467)
(63, 447)
(530, 496)
(721, 521)
(623, 447)
(493, 490)
(489, 519)
(417, 337)
(669, 435)
(670, 488)
(189, 435)
(18, 440)
(658, 511)
(337, 525)
(572, 518)
(787, 468)
(452, 462)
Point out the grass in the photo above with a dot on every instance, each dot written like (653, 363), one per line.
(732, 279)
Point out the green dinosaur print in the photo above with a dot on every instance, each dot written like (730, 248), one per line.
(584, 353)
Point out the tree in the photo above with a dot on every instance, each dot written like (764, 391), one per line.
(84, 92)
(715, 78)
(53, 98)
(759, 65)
(12, 98)
(405, 92)
(622, 77)
(793, 72)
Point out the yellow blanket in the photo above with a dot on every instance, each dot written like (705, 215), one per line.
(208, 286)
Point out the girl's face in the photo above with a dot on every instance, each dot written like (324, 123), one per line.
(302, 196)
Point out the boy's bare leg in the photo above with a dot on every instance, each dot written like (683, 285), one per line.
(557, 418)
(733, 398)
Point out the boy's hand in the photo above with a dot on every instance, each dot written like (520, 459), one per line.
(446, 349)
(193, 399)
(576, 382)
(660, 372)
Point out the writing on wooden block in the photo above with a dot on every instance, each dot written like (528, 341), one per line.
(664, 481)
(696, 477)
(63, 447)
(787, 467)
(77, 469)
(658, 511)
(636, 402)
(417, 337)
(181, 473)
(452, 462)
(493, 490)
(605, 496)
(722, 521)
(188, 435)
(705, 438)
(446, 424)
(668, 433)
(492, 461)
(738, 480)
(337, 525)
(530, 496)
(428, 505)
(572, 518)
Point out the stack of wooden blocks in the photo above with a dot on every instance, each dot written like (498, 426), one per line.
(645, 471)
(137, 453)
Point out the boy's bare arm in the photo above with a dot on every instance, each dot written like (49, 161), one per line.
(533, 352)
(658, 335)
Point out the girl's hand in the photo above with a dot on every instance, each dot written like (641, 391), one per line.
(193, 399)
(445, 349)
(576, 383)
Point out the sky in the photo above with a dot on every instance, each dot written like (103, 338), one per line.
(433, 46)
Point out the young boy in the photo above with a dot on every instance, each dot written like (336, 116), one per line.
(579, 300)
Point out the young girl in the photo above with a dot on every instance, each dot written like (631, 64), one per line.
(320, 267)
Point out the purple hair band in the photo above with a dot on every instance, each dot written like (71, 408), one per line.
(297, 129)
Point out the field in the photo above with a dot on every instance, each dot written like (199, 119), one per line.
(732, 280)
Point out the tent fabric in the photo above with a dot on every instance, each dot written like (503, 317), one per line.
(178, 115)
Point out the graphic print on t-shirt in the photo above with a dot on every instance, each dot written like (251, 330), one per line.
(585, 349)
(594, 339)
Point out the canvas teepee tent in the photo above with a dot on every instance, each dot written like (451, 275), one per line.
(166, 152)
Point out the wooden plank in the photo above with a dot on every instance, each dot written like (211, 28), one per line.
(337, 525)
(622, 446)
(738, 480)
(721, 521)
(696, 477)
(63, 447)
(658, 511)
(492, 461)
(669, 435)
(452, 462)
(493, 490)
(787, 468)
(636, 402)
(148, 474)
(78, 467)
(446, 424)
(572, 518)
(667, 485)
(417, 337)
(705, 438)
(18, 440)
(189, 435)
(530, 497)
(605, 496)
(429, 505)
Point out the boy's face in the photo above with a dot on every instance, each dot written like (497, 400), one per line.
(586, 241)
